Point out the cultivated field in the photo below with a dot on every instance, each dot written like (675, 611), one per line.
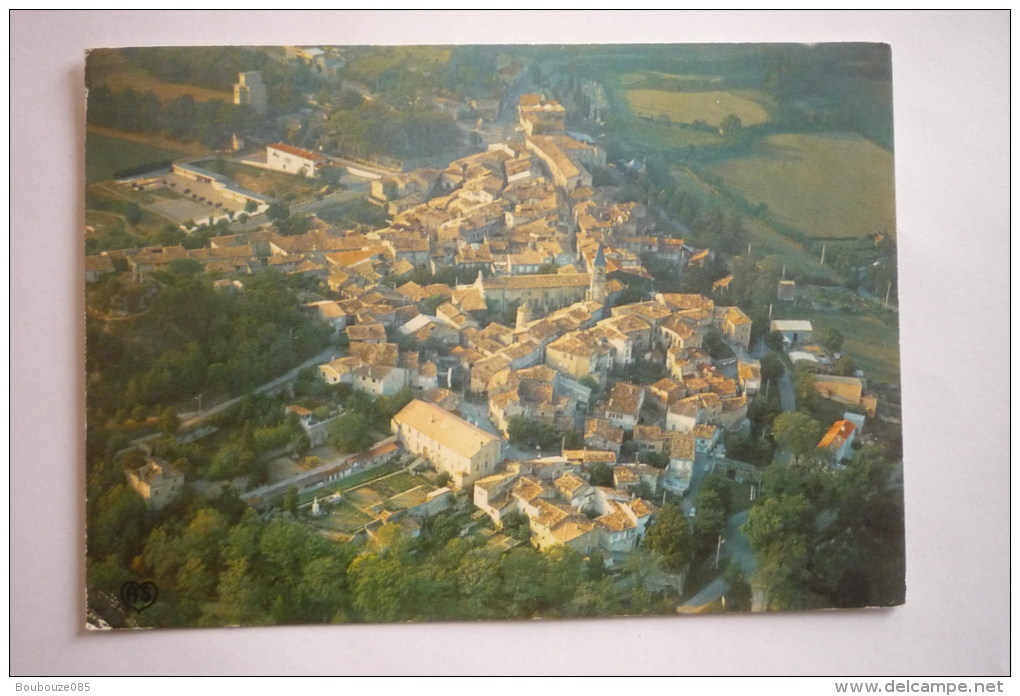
(687, 107)
(832, 185)
(108, 67)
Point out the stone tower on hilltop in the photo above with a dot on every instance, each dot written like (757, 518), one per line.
(251, 90)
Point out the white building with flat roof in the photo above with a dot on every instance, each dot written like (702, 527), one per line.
(793, 330)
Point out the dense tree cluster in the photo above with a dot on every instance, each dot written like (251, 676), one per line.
(217, 564)
(193, 338)
(183, 118)
(828, 538)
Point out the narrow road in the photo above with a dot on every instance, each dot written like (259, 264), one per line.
(195, 419)
(738, 551)
(787, 397)
(289, 376)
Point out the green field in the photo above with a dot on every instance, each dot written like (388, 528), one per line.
(872, 342)
(105, 155)
(394, 484)
(763, 238)
(833, 185)
(687, 107)
(667, 136)
(346, 518)
(653, 79)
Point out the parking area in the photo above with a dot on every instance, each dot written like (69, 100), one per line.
(182, 199)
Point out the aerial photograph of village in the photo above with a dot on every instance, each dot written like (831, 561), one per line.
(457, 333)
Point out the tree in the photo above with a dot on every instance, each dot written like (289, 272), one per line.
(277, 212)
(730, 124)
(712, 504)
(670, 539)
(591, 383)
(780, 530)
(772, 367)
(846, 366)
(516, 525)
(351, 432)
(830, 339)
(797, 432)
(168, 422)
(290, 500)
(573, 439)
(600, 475)
(774, 341)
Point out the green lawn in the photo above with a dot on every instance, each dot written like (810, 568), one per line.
(347, 518)
(350, 482)
(105, 155)
(396, 483)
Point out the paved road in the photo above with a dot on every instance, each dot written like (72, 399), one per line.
(711, 592)
(289, 376)
(787, 397)
(737, 550)
(196, 418)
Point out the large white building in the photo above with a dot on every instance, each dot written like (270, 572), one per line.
(294, 160)
(464, 451)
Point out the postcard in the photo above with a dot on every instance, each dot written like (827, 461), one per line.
(458, 333)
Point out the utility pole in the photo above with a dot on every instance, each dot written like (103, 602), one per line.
(718, 550)
(823, 255)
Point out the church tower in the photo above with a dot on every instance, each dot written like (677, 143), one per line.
(597, 290)
(523, 317)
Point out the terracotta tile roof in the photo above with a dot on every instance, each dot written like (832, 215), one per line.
(445, 428)
(366, 332)
(624, 474)
(375, 353)
(298, 152)
(840, 431)
(521, 282)
(616, 520)
(625, 398)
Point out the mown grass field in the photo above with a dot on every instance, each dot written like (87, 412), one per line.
(764, 239)
(108, 67)
(105, 155)
(687, 107)
(654, 78)
(669, 136)
(831, 185)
